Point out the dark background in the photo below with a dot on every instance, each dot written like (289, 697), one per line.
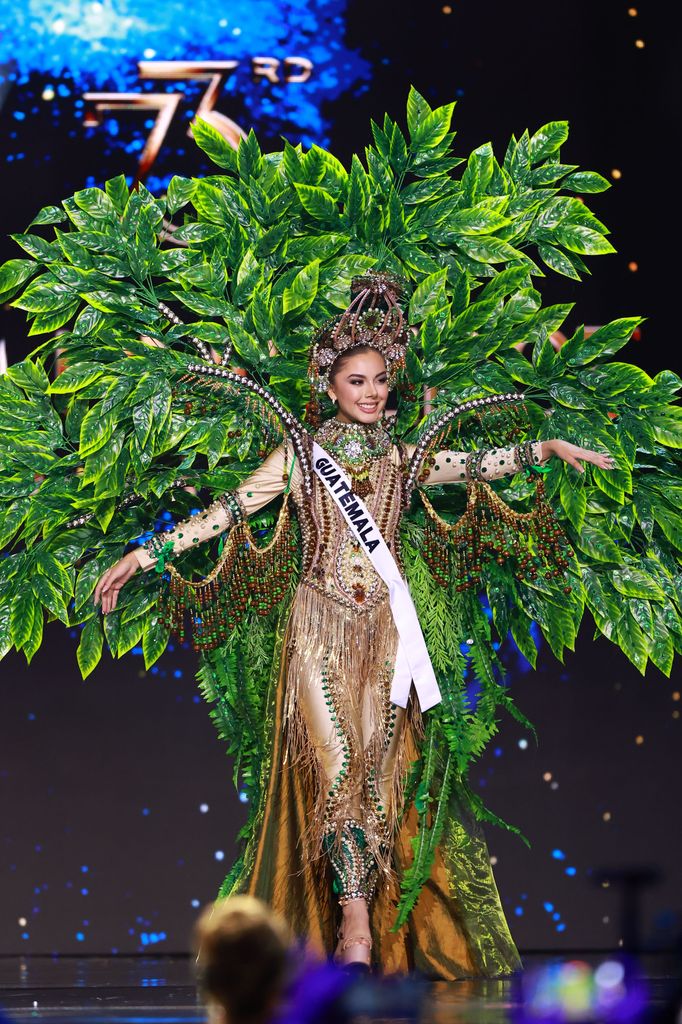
(104, 844)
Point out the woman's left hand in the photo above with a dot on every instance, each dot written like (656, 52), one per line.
(575, 456)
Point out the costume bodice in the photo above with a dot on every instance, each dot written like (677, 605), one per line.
(334, 562)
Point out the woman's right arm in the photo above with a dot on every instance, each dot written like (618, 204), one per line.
(257, 490)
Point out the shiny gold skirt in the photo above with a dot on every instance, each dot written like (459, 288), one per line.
(457, 928)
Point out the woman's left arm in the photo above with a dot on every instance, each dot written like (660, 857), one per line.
(493, 463)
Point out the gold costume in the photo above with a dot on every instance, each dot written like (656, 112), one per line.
(330, 827)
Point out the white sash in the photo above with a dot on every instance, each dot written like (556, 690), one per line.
(412, 661)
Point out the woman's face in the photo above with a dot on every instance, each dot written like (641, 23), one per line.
(361, 388)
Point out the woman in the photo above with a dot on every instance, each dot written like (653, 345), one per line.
(341, 745)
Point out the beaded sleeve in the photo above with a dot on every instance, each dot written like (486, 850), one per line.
(261, 487)
(447, 467)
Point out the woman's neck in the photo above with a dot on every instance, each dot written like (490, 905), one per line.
(355, 423)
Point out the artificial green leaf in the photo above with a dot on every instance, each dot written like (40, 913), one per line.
(49, 215)
(586, 182)
(670, 523)
(75, 377)
(418, 110)
(556, 260)
(154, 640)
(24, 611)
(635, 582)
(667, 425)
(50, 597)
(180, 192)
(13, 274)
(431, 129)
(428, 296)
(300, 295)
(214, 144)
(633, 642)
(95, 202)
(598, 543)
(582, 239)
(96, 429)
(573, 500)
(547, 140)
(90, 646)
(317, 202)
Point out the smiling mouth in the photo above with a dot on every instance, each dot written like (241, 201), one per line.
(367, 407)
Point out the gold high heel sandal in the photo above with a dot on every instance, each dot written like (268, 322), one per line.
(361, 966)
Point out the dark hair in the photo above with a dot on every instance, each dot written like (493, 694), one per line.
(343, 357)
(243, 955)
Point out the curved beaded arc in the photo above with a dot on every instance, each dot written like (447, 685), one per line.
(295, 428)
(425, 443)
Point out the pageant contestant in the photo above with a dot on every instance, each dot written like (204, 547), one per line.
(346, 725)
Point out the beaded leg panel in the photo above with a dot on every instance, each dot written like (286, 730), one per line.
(354, 868)
(383, 734)
(325, 742)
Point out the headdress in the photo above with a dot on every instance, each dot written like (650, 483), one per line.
(373, 318)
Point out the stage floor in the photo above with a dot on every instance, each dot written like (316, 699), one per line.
(134, 990)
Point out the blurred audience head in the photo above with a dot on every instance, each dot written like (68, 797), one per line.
(242, 958)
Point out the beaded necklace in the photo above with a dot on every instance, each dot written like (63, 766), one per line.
(355, 446)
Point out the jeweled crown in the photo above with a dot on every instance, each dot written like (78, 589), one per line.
(374, 318)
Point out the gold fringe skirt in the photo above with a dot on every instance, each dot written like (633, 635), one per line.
(457, 929)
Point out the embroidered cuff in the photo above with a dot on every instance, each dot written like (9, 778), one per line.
(234, 506)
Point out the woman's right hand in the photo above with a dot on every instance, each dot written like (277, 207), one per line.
(113, 579)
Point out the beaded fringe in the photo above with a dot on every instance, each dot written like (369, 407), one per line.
(244, 576)
(489, 530)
